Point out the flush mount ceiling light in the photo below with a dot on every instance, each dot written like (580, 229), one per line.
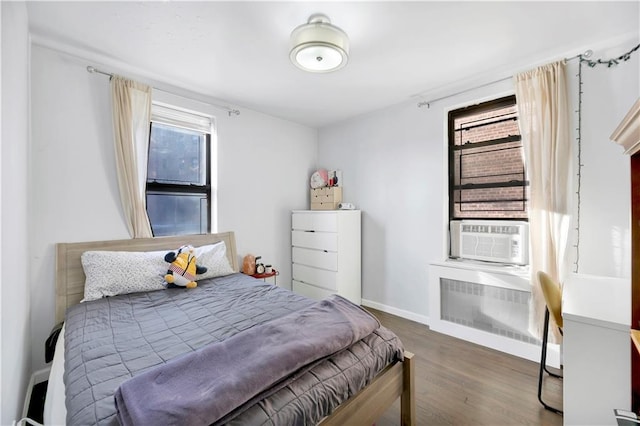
(318, 46)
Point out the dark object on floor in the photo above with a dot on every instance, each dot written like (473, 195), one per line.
(50, 344)
(36, 403)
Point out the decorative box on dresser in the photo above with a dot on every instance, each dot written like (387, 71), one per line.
(325, 253)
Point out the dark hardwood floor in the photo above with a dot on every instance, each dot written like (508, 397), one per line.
(461, 383)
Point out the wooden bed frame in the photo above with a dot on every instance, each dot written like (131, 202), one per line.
(395, 381)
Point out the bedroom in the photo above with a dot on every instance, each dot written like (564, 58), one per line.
(392, 160)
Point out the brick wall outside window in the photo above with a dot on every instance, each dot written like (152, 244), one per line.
(483, 163)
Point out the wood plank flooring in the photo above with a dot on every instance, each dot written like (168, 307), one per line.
(461, 383)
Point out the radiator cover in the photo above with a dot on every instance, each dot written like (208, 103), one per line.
(487, 305)
(497, 310)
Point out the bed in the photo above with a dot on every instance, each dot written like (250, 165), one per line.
(383, 378)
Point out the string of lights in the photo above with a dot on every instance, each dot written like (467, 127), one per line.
(609, 62)
(579, 174)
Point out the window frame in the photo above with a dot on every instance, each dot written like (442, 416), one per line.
(452, 148)
(156, 187)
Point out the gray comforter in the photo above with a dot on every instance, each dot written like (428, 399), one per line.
(109, 341)
(203, 386)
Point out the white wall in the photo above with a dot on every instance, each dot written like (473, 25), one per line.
(264, 164)
(393, 165)
(264, 169)
(605, 208)
(393, 162)
(14, 262)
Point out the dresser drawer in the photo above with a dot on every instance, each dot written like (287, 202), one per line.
(319, 277)
(314, 222)
(311, 291)
(316, 258)
(326, 195)
(315, 240)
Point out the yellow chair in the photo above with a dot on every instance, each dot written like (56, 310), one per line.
(553, 299)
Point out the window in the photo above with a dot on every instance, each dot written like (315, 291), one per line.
(486, 168)
(179, 172)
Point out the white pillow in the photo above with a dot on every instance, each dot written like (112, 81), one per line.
(214, 258)
(109, 273)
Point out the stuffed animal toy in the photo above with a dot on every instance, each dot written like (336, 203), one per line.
(183, 269)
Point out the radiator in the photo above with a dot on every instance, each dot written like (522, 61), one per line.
(498, 310)
(487, 305)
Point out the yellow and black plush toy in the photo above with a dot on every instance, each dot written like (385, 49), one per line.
(183, 269)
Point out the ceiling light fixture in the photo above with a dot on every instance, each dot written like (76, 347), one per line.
(318, 46)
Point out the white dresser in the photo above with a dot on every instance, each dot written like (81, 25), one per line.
(325, 253)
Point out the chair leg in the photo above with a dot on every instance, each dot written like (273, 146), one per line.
(543, 363)
(551, 373)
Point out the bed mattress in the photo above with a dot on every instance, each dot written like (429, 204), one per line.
(111, 340)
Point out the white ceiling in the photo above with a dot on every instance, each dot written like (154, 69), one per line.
(239, 51)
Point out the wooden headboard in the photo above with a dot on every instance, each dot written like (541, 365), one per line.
(70, 275)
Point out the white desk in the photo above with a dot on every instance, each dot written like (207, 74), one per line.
(596, 349)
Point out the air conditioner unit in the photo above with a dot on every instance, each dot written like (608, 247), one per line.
(491, 241)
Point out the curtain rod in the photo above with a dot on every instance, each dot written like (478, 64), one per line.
(586, 54)
(230, 111)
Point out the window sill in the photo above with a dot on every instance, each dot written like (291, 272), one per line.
(491, 267)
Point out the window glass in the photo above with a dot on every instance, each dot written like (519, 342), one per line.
(486, 174)
(176, 155)
(177, 214)
(178, 192)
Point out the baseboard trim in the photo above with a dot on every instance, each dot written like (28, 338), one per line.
(422, 319)
(498, 342)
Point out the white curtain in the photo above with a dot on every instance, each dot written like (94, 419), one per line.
(131, 117)
(541, 96)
